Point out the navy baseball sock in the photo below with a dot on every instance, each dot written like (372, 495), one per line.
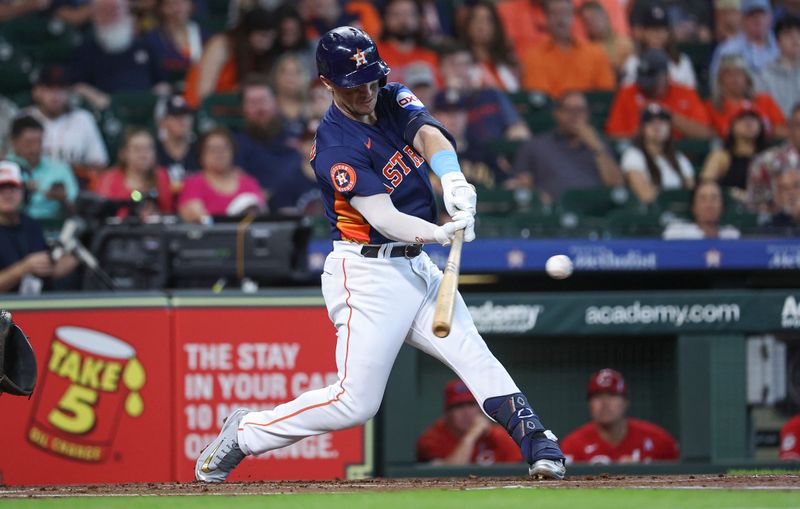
(515, 414)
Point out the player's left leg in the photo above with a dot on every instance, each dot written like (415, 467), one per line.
(466, 353)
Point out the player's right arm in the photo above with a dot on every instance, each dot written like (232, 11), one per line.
(381, 214)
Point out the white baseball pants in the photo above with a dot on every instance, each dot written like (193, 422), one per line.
(376, 304)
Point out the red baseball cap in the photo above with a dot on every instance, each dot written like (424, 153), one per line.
(456, 393)
(607, 381)
(10, 173)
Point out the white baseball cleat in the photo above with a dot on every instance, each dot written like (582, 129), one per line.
(548, 469)
(221, 456)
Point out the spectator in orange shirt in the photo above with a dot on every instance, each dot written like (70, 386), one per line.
(526, 24)
(735, 92)
(482, 32)
(464, 435)
(689, 116)
(401, 41)
(564, 62)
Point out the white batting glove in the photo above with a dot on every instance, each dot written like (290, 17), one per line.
(458, 193)
(462, 220)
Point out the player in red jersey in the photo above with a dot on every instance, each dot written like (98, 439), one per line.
(463, 435)
(790, 440)
(612, 437)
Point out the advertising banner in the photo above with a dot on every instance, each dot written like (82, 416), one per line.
(101, 408)
(258, 358)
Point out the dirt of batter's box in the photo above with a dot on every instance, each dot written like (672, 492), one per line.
(789, 482)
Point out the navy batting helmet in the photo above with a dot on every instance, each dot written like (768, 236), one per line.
(348, 57)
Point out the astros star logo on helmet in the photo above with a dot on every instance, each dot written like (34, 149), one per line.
(360, 57)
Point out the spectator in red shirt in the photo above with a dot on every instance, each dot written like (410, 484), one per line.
(612, 437)
(482, 32)
(137, 178)
(689, 116)
(401, 41)
(790, 440)
(735, 92)
(464, 435)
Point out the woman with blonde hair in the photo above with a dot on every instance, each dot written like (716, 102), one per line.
(735, 92)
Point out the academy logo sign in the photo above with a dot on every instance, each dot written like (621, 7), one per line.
(518, 318)
(790, 315)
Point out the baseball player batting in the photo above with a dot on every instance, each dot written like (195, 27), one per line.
(373, 151)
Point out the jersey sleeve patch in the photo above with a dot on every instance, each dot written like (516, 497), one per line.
(343, 177)
(406, 99)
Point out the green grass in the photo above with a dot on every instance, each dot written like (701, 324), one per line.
(451, 499)
(765, 471)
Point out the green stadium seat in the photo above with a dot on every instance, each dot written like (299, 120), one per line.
(220, 109)
(45, 39)
(134, 108)
(700, 54)
(536, 108)
(495, 200)
(506, 149)
(18, 70)
(599, 106)
(695, 150)
(594, 202)
(676, 202)
(629, 223)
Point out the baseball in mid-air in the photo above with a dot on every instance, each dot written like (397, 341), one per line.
(558, 266)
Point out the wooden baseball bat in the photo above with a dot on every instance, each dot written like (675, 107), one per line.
(446, 299)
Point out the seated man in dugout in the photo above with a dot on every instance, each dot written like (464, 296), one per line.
(464, 435)
(611, 436)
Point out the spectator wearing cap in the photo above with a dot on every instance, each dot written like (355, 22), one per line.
(482, 32)
(735, 92)
(707, 206)
(71, 134)
(488, 113)
(25, 264)
(772, 163)
(755, 42)
(611, 436)
(177, 41)
(651, 30)
(573, 155)
(220, 188)
(400, 43)
(543, 67)
(52, 186)
(727, 19)
(138, 179)
(267, 150)
(464, 435)
(781, 77)
(618, 46)
(249, 47)
(175, 147)
(652, 163)
(728, 165)
(115, 59)
(689, 116)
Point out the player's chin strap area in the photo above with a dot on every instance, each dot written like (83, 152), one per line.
(515, 414)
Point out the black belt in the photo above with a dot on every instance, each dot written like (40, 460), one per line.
(407, 251)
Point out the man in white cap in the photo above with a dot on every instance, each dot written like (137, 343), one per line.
(25, 263)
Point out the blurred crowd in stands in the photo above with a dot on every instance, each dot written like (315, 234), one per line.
(573, 117)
